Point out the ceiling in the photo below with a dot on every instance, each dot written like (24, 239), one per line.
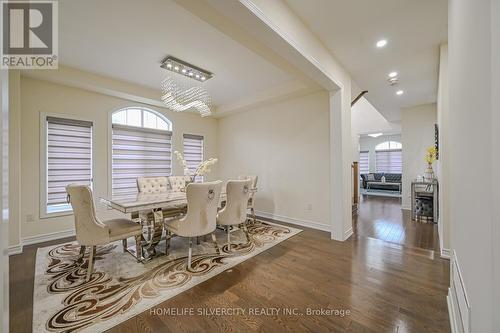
(414, 29)
(130, 47)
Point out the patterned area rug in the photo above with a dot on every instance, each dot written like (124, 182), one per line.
(121, 288)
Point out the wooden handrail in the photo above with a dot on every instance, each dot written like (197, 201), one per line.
(359, 96)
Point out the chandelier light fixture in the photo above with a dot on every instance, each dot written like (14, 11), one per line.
(183, 90)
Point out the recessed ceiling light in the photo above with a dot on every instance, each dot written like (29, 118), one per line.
(393, 74)
(400, 92)
(169, 65)
(203, 78)
(381, 43)
(176, 68)
(375, 135)
(184, 70)
(191, 74)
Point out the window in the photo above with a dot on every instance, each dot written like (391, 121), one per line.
(141, 147)
(389, 145)
(68, 157)
(389, 157)
(193, 152)
(364, 162)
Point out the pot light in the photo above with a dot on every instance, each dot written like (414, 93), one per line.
(184, 70)
(375, 135)
(393, 74)
(400, 92)
(176, 68)
(169, 65)
(381, 43)
(203, 78)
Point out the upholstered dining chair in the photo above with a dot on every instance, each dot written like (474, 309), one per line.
(90, 231)
(235, 210)
(200, 219)
(177, 183)
(251, 200)
(152, 185)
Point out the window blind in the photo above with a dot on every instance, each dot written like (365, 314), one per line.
(390, 161)
(193, 152)
(364, 162)
(69, 159)
(138, 152)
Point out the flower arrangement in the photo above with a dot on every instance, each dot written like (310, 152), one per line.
(201, 170)
(431, 155)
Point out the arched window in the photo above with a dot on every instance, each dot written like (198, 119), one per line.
(141, 117)
(389, 145)
(141, 147)
(389, 157)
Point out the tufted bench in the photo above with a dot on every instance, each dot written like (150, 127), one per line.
(152, 185)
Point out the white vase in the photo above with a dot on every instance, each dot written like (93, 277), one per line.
(429, 173)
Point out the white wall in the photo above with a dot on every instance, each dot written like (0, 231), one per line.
(42, 96)
(442, 164)
(4, 203)
(417, 134)
(365, 119)
(474, 62)
(367, 143)
(287, 145)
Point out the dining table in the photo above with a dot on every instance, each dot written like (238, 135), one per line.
(151, 210)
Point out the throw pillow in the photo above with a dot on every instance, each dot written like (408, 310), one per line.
(382, 179)
(370, 177)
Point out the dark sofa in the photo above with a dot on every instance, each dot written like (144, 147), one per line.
(377, 183)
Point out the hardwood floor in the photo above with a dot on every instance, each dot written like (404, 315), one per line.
(387, 287)
(383, 218)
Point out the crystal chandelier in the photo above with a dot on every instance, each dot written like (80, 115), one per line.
(183, 89)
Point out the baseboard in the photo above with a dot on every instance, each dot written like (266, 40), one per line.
(15, 249)
(291, 220)
(451, 311)
(445, 253)
(348, 233)
(47, 237)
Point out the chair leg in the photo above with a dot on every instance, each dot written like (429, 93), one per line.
(167, 241)
(198, 240)
(138, 248)
(90, 266)
(125, 246)
(214, 240)
(82, 253)
(190, 253)
(253, 215)
(228, 238)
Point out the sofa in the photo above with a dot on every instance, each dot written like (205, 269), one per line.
(392, 181)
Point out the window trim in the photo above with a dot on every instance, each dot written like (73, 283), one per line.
(43, 167)
(109, 128)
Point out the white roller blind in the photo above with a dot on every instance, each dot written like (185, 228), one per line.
(364, 162)
(138, 152)
(193, 152)
(69, 159)
(390, 161)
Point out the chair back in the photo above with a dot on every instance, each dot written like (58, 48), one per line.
(152, 185)
(235, 211)
(202, 202)
(178, 182)
(89, 230)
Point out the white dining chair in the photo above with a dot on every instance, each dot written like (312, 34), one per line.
(251, 201)
(90, 231)
(178, 183)
(152, 185)
(235, 210)
(200, 219)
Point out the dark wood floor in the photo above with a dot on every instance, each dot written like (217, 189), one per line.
(383, 218)
(387, 287)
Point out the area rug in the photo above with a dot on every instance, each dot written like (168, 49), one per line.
(121, 288)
